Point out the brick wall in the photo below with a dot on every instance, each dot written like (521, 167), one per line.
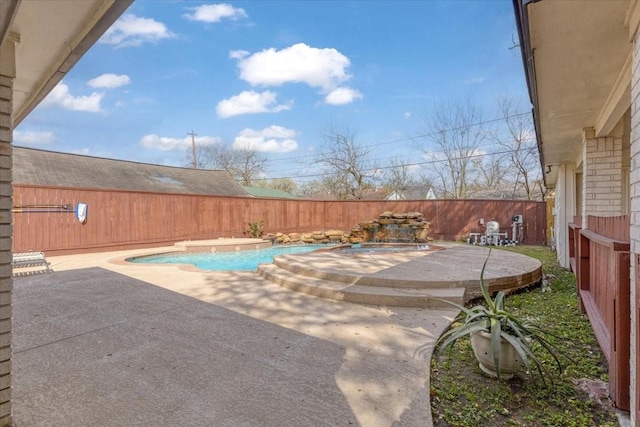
(602, 176)
(634, 180)
(6, 283)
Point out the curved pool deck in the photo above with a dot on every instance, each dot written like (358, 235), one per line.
(411, 278)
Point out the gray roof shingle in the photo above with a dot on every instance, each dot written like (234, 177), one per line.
(49, 168)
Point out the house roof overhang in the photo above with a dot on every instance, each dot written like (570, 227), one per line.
(577, 59)
(49, 37)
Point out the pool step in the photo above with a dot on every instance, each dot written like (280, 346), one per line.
(354, 292)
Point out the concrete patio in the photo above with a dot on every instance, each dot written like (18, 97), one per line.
(98, 343)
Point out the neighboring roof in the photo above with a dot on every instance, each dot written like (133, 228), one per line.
(49, 168)
(49, 37)
(577, 59)
(322, 195)
(412, 192)
(367, 195)
(396, 195)
(378, 194)
(417, 192)
(268, 193)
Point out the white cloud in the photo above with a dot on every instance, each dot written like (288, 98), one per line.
(274, 139)
(319, 68)
(238, 54)
(407, 115)
(164, 143)
(215, 13)
(342, 95)
(250, 102)
(33, 138)
(131, 30)
(61, 96)
(109, 81)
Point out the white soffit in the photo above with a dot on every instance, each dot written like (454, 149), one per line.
(580, 50)
(617, 102)
(53, 35)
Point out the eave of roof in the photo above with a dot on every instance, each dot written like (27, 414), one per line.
(52, 36)
(522, 25)
(574, 55)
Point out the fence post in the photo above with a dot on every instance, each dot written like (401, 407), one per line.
(621, 332)
(582, 267)
(574, 232)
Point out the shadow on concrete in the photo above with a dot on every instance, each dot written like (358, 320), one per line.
(97, 348)
(383, 380)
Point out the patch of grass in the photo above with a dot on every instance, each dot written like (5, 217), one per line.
(462, 396)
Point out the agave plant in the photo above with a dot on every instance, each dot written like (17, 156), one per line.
(503, 326)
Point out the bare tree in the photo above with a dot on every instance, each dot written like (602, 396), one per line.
(517, 137)
(206, 157)
(244, 165)
(188, 159)
(284, 184)
(347, 169)
(426, 183)
(493, 170)
(398, 177)
(540, 190)
(309, 188)
(452, 136)
(247, 165)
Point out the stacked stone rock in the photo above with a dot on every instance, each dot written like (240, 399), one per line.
(315, 237)
(394, 227)
(389, 227)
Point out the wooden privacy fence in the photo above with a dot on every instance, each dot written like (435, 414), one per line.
(602, 266)
(128, 219)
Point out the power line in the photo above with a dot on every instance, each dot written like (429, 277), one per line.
(428, 162)
(413, 138)
(414, 154)
(396, 141)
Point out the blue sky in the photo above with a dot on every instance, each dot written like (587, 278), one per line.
(273, 74)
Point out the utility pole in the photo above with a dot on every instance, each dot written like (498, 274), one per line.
(194, 164)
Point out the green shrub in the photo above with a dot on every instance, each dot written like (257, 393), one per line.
(256, 229)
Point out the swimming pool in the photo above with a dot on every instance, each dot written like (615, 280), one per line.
(226, 261)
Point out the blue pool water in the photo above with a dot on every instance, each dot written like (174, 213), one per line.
(225, 261)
